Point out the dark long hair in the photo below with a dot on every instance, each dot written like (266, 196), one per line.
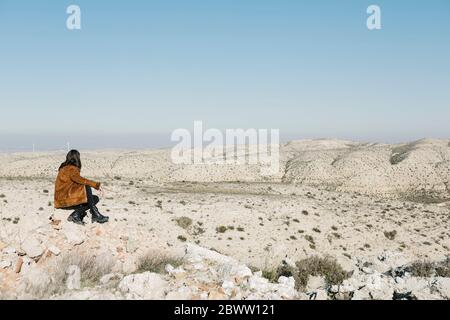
(72, 159)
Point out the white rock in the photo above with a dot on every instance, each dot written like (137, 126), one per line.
(145, 285)
(414, 284)
(389, 260)
(9, 250)
(228, 287)
(32, 247)
(169, 268)
(315, 283)
(442, 285)
(287, 281)
(129, 266)
(234, 271)
(5, 264)
(73, 281)
(367, 270)
(27, 265)
(73, 234)
(290, 263)
(87, 295)
(350, 285)
(318, 295)
(194, 251)
(175, 272)
(182, 293)
(286, 288)
(55, 250)
(258, 284)
(362, 294)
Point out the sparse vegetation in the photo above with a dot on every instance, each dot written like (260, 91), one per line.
(443, 268)
(221, 229)
(182, 238)
(312, 266)
(92, 269)
(430, 269)
(184, 222)
(390, 234)
(422, 269)
(156, 262)
(316, 266)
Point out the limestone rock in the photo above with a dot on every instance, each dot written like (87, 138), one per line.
(182, 293)
(54, 250)
(73, 234)
(145, 285)
(315, 283)
(73, 281)
(9, 250)
(442, 286)
(32, 247)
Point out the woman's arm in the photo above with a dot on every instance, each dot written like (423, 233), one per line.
(77, 178)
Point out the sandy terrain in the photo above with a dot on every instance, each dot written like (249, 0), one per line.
(349, 200)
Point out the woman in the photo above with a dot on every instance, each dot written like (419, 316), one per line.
(73, 192)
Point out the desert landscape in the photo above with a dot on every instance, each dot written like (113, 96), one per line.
(341, 220)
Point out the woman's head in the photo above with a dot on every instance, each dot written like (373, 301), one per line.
(73, 159)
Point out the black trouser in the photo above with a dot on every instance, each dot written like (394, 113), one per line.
(92, 200)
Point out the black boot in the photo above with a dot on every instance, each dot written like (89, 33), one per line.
(77, 217)
(97, 216)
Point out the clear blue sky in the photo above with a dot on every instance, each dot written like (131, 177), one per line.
(309, 68)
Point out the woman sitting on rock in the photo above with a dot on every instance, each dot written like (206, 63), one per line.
(73, 192)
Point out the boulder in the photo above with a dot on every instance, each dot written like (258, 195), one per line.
(233, 272)
(74, 235)
(196, 253)
(442, 286)
(5, 264)
(73, 281)
(315, 283)
(54, 250)
(147, 285)
(26, 265)
(9, 250)
(32, 247)
(182, 293)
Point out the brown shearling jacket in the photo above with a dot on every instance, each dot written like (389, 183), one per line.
(70, 187)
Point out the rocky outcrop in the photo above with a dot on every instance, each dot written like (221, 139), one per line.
(207, 274)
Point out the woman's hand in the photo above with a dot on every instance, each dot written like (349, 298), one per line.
(102, 191)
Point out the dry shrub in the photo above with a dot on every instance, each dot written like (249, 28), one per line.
(443, 268)
(184, 222)
(316, 266)
(52, 278)
(156, 261)
(429, 269)
(422, 269)
(390, 234)
(313, 266)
